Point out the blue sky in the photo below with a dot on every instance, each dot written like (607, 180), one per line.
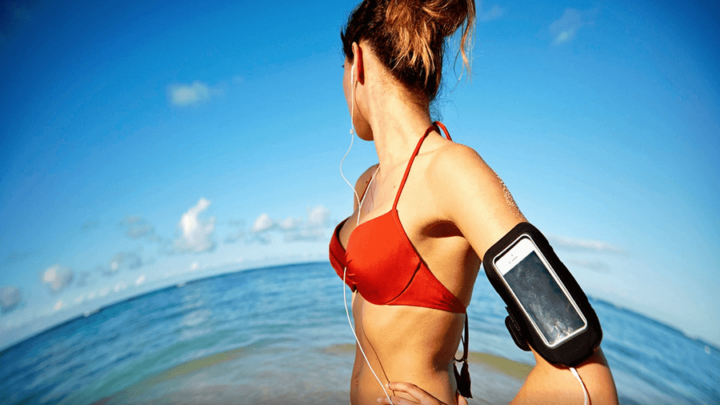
(147, 143)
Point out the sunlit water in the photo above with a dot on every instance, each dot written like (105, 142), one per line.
(280, 335)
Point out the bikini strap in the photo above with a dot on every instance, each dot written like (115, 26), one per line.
(465, 342)
(442, 126)
(435, 125)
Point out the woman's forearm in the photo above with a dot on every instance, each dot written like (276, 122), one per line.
(549, 384)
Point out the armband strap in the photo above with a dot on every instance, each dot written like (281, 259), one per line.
(516, 332)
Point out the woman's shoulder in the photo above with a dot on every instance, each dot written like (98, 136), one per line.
(363, 181)
(364, 178)
(464, 186)
(458, 162)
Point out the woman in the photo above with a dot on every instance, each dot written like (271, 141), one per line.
(423, 217)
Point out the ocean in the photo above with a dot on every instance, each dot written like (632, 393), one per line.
(279, 335)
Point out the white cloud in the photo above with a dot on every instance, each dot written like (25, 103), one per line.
(290, 223)
(584, 244)
(260, 229)
(293, 229)
(9, 298)
(190, 94)
(196, 235)
(57, 277)
(494, 13)
(262, 223)
(564, 29)
(318, 216)
(318, 219)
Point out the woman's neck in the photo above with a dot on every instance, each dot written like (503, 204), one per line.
(397, 124)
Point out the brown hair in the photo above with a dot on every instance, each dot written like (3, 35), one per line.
(408, 36)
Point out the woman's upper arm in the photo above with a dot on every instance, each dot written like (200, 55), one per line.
(473, 197)
(470, 194)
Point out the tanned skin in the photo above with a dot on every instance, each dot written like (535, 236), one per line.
(453, 208)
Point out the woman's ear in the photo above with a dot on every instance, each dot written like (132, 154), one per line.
(358, 71)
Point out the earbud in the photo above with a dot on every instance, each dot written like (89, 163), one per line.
(352, 131)
(352, 97)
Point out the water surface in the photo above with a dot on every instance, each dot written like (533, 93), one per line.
(280, 335)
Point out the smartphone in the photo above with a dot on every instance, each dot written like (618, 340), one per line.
(540, 293)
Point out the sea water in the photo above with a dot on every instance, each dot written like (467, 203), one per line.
(280, 335)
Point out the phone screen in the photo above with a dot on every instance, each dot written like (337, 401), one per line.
(542, 298)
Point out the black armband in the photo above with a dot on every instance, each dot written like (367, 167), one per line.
(547, 308)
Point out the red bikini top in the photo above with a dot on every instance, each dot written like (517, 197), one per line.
(382, 263)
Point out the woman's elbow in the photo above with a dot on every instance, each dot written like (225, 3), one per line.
(549, 384)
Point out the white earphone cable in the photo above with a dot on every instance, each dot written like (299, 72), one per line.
(359, 202)
(582, 384)
(367, 191)
(358, 340)
(352, 132)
